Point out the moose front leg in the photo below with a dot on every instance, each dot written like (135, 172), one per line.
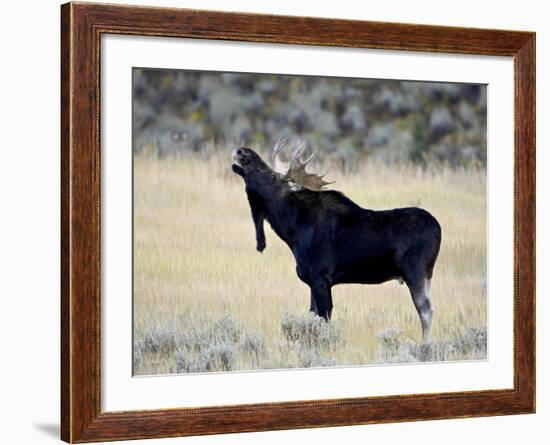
(313, 305)
(258, 218)
(260, 234)
(321, 299)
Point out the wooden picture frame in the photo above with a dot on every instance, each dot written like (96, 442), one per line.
(82, 25)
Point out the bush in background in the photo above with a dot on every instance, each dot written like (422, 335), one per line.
(177, 112)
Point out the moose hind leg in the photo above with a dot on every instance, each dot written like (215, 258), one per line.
(321, 300)
(420, 292)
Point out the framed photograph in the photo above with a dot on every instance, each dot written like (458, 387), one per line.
(274, 222)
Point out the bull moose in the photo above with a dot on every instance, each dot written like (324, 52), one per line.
(334, 240)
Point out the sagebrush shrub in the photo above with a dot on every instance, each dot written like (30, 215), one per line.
(311, 330)
(198, 344)
(311, 338)
(396, 347)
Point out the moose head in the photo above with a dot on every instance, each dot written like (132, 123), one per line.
(287, 168)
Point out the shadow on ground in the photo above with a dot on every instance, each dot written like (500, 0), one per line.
(49, 429)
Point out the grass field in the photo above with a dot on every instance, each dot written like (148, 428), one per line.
(206, 300)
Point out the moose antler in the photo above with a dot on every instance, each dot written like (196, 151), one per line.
(294, 169)
(280, 163)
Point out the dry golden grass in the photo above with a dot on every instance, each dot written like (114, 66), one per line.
(195, 256)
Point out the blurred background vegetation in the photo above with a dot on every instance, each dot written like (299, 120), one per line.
(177, 112)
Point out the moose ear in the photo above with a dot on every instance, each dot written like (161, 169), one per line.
(238, 169)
